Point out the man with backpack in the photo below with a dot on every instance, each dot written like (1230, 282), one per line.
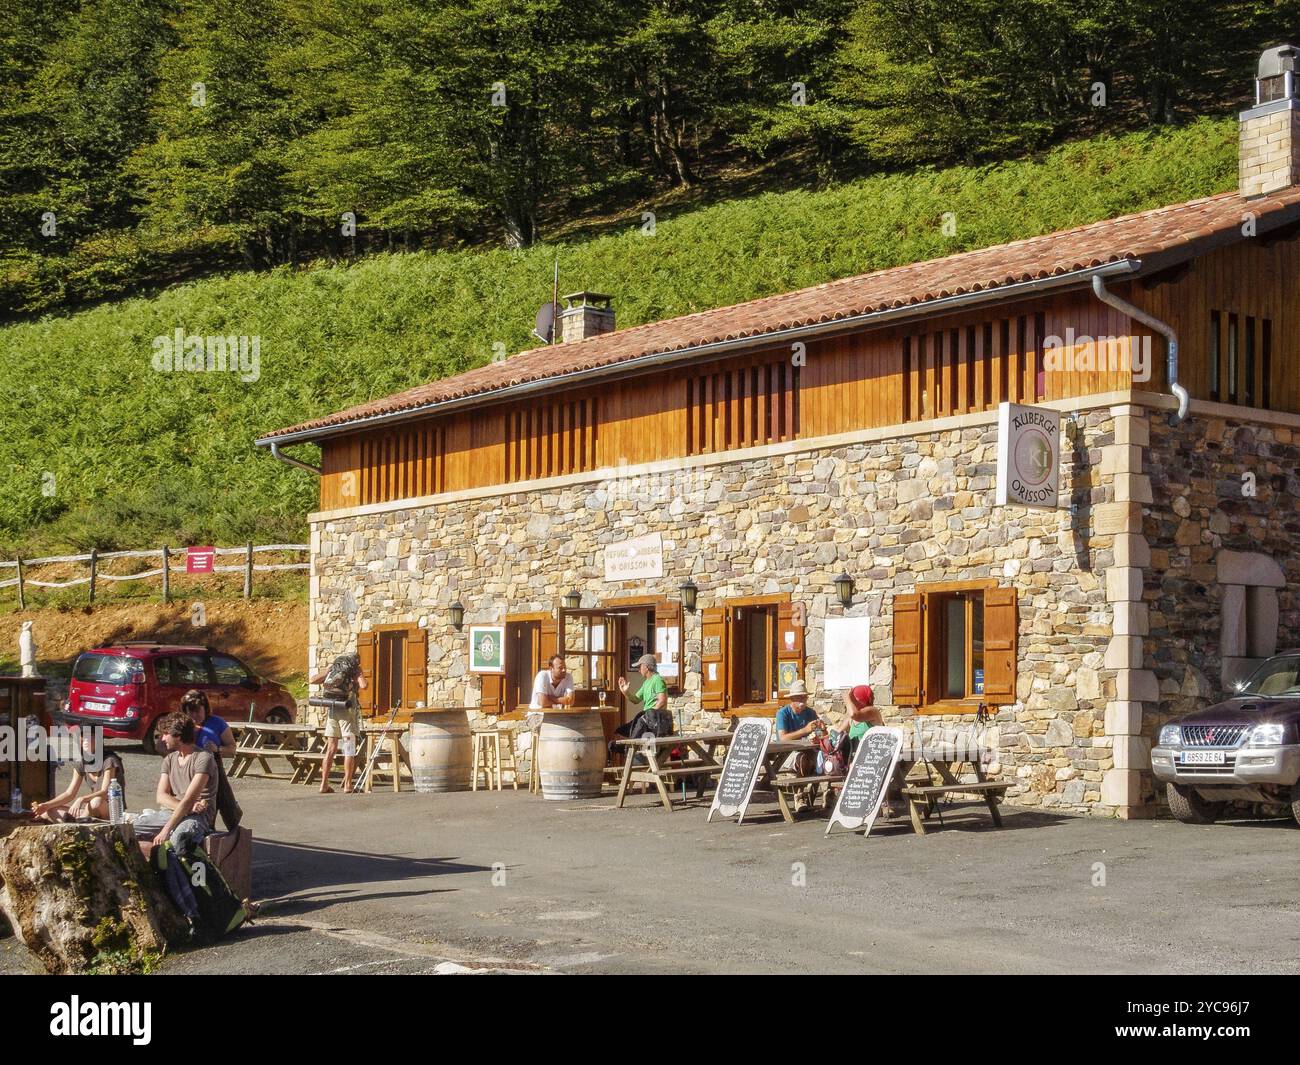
(341, 683)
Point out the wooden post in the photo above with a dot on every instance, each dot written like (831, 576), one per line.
(248, 573)
(94, 567)
(22, 598)
(166, 576)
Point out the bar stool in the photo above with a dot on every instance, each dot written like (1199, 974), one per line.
(493, 754)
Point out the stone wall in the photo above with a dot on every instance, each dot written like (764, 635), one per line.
(890, 513)
(1205, 525)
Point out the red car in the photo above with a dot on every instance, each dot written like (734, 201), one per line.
(127, 687)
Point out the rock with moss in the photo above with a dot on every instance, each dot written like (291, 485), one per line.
(83, 899)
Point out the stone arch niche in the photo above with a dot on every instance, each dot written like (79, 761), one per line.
(1249, 582)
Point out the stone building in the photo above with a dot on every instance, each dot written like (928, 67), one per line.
(720, 489)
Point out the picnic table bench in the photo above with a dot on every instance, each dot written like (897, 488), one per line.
(702, 762)
(259, 741)
(922, 798)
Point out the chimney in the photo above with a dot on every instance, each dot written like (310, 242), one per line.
(585, 314)
(1269, 158)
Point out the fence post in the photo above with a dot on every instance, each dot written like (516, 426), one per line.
(167, 575)
(248, 573)
(94, 567)
(22, 599)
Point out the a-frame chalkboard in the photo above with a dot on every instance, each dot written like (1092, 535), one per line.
(868, 779)
(740, 770)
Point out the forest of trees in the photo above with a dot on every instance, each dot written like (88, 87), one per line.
(145, 140)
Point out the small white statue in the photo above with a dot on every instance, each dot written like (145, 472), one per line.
(27, 650)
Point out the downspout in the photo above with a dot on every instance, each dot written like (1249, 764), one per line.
(1151, 322)
(291, 461)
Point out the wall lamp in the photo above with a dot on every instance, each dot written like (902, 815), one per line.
(457, 615)
(844, 589)
(572, 600)
(689, 593)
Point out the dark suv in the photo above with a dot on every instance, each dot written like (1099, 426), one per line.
(127, 687)
(1246, 749)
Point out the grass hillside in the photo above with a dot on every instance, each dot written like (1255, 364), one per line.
(101, 450)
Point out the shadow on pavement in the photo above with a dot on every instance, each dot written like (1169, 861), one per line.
(292, 870)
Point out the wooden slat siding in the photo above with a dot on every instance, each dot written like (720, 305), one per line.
(1248, 279)
(864, 380)
(965, 378)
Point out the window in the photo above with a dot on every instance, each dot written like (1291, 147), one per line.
(184, 671)
(531, 639)
(227, 670)
(394, 663)
(955, 647)
(107, 669)
(742, 406)
(590, 638)
(1240, 360)
(752, 651)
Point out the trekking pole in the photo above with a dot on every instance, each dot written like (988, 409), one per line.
(374, 753)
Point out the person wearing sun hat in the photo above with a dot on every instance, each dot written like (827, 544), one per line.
(796, 722)
(860, 712)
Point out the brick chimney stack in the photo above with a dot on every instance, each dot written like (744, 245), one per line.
(1269, 157)
(585, 314)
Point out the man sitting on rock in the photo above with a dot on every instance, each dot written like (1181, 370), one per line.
(187, 789)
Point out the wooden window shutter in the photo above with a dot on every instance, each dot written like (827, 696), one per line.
(790, 618)
(713, 681)
(492, 690)
(907, 650)
(548, 643)
(1000, 629)
(417, 669)
(366, 644)
(668, 615)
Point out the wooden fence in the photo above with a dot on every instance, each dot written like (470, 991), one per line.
(166, 557)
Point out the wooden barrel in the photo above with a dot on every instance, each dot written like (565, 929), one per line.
(441, 750)
(571, 755)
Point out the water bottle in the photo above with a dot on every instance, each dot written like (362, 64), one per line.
(16, 800)
(115, 802)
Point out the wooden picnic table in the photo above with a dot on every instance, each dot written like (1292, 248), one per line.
(258, 741)
(702, 762)
(922, 796)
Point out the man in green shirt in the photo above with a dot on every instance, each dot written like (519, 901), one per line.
(653, 717)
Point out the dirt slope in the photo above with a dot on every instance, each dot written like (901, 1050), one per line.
(268, 634)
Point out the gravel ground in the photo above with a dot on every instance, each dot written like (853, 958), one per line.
(412, 883)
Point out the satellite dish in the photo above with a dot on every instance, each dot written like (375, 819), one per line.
(544, 327)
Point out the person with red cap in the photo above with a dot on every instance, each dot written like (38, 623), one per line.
(860, 713)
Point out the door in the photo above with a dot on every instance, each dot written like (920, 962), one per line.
(523, 662)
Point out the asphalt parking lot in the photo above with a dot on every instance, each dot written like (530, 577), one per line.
(412, 883)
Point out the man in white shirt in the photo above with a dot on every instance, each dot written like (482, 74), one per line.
(552, 686)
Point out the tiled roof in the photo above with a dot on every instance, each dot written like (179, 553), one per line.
(1159, 238)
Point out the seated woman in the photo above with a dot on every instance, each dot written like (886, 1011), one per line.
(860, 714)
(94, 765)
(213, 734)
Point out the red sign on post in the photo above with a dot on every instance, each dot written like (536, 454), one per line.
(200, 559)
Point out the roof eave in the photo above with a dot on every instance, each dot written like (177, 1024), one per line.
(1127, 267)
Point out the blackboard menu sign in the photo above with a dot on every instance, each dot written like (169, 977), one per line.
(868, 778)
(740, 770)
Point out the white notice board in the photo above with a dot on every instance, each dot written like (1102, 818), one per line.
(847, 652)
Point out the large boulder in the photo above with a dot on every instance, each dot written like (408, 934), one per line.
(82, 898)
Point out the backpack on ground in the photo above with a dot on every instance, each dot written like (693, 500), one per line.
(220, 910)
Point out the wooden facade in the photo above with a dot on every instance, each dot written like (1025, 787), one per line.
(1234, 310)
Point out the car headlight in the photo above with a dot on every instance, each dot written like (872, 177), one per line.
(1171, 736)
(1266, 736)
